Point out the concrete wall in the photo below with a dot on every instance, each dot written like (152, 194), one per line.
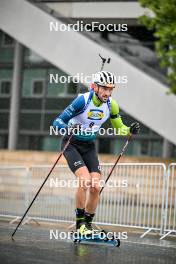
(106, 10)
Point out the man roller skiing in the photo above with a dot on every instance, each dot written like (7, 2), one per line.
(87, 113)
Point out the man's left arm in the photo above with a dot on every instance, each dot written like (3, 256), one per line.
(117, 122)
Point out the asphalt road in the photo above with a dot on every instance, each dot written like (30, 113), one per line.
(32, 244)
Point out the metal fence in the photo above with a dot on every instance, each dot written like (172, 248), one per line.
(139, 195)
(133, 197)
(56, 201)
(139, 203)
(13, 190)
(170, 202)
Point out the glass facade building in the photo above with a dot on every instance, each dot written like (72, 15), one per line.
(42, 101)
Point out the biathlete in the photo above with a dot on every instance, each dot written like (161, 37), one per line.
(87, 113)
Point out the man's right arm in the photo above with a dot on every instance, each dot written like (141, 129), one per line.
(61, 121)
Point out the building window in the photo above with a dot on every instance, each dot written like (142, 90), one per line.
(3, 141)
(72, 88)
(5, 88)
(7, 41)
(145, 147)
(104, 145)
(38, 88)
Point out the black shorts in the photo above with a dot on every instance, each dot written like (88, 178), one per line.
(81, 153)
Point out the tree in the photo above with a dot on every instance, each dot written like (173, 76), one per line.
(164, 25)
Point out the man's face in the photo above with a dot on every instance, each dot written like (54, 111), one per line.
(104, 92)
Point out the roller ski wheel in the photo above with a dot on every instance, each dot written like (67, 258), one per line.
(76, 240)
(75, 237)
(116, 242)
(104, 231)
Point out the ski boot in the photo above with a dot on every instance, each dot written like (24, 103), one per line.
(79, 217)
(86, 228)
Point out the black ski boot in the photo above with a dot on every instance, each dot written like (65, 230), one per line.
(79, 217)
(86, 226)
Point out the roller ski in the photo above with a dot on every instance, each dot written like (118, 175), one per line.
(85, 233)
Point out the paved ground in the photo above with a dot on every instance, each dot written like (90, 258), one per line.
(33, 245)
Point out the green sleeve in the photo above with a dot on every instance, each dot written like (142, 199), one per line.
(116, 120)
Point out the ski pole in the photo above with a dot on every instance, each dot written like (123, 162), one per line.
(120, 155)
(66, 145)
